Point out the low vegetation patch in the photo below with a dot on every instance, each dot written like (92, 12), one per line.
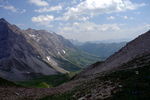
(6, 83)
(46, 81)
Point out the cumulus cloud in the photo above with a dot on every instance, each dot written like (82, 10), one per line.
(88, 30)
(90, 26)
(49, 9)
(39, 2)
(43, 20)
(73, 18)
(96, 7)
(77, 19)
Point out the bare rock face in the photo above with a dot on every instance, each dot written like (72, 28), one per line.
(138, 47)
(18, 58)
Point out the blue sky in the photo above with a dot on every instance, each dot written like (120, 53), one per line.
(83, 20)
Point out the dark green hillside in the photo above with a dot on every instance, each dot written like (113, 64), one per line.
(46, 81)
(68, 65)
(82, 59)
(6, 83)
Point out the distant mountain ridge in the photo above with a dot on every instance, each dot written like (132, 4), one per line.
(102, 50)
(25, 54)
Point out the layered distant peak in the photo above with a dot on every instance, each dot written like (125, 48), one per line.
(30, 30)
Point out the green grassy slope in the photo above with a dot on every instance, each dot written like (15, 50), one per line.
(6, 83)
(81, 59)
(46, 81)
(41, 82)
(68, 65)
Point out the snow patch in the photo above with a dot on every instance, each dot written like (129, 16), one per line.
(31, 35)
(64, 51)
(51, 61)
(48, 58)
(35, 37)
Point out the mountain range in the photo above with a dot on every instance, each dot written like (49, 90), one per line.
(103, 50)
(25, 54)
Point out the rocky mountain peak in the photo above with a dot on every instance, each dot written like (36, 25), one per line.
(5, 26)
(2, 20)
(3, 23)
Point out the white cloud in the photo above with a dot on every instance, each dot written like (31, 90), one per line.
(74, 2)
(84, 18)
(88, 31)
(12, 8)
(90, 26)
(110, 18)
(39, 2)
(146, 27)
(43, 20)
(66, 18)
(96, 7)
(49, 9)
(9, 7)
